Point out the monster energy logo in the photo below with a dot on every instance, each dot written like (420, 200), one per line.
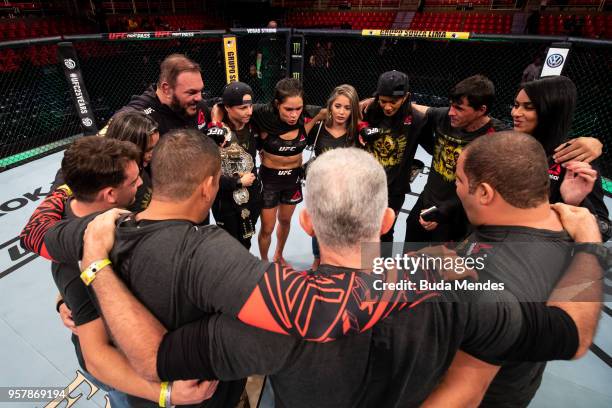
(296, 75)
(296, 47)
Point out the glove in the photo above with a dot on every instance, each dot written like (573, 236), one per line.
(369, 134)
(218, 134)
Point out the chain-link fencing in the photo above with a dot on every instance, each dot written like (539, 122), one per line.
(116, 69)
(434, 66)
(271, 47)
(36, 112)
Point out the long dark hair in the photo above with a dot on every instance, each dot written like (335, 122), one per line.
(133, 126)
(554, 100)
(286, 88)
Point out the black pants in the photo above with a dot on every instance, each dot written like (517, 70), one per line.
(386, 240)
(228, 217)
(395, 202)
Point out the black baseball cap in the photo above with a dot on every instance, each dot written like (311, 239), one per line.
(392, 83)
(234, 92)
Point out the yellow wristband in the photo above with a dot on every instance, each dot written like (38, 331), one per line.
(89, 273)
(66, 189)
(162, 393)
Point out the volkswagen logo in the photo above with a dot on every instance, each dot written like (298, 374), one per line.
(554, 61)
(69, 63)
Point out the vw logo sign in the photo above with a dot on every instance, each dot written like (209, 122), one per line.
(69, 63)
(87, 122)
(554, 61)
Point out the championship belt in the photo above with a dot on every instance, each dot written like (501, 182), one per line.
(235, 162)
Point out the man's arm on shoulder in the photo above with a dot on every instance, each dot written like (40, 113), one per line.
(136, 331)
(219, 346)
(64, 240)
(422, 109)
(464, 384)
(579, 295)
(133, 327)
(562, 330)
(48, 213)
(579, 292)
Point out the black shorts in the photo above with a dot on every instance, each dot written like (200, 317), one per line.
(280, 186)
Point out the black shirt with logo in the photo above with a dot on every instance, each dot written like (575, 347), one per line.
(448, 142)
(529, 262)
(396, 147)
(167, 119)
(178, 270)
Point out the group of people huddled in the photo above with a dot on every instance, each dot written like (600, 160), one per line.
(166, 309)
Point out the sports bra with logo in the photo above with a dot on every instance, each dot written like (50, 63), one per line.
(274, 144)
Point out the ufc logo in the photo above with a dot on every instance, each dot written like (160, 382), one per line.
(284, 172)
(215, 131)
(371, 131)
(286, 148)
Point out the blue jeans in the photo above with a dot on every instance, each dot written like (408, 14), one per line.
(266, 400)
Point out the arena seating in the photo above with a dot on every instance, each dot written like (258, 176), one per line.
(588, 26)
(488, 23)
(118, 22)
(355, 19)
(37, 55)
(472, 22)
(437, 21)
(24, 6)
(16, 29)
(500, 4)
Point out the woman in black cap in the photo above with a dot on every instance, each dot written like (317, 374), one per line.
(390, 133)
(238, 202)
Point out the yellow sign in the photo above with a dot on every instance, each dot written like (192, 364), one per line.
(442, 35)
(231, 58)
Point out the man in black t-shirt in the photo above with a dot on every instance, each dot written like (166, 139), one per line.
(390, 133)
(175, 102)
(447, 132)
(502, 182)
(102, 174)
(398, 362)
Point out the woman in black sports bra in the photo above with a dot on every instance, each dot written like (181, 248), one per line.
(338, 129)
(283, 133)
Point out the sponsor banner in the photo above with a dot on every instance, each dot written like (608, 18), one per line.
(231, 58)
(261, 30)
(297, 56)
(151, 35)
(443, 35)
(555, 61)
(70, 63)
